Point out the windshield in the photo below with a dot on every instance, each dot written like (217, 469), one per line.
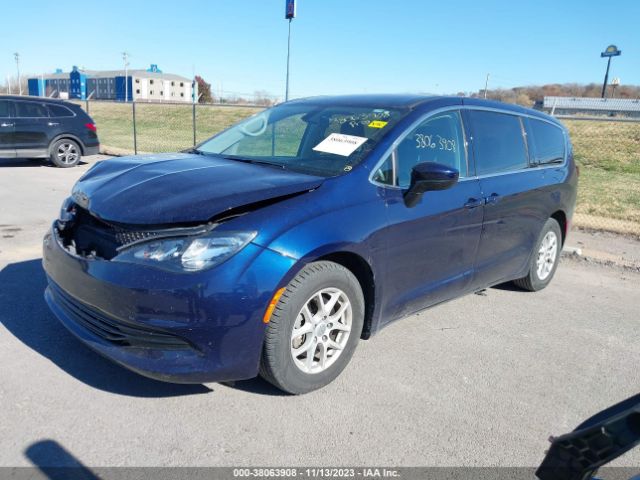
(304, 137)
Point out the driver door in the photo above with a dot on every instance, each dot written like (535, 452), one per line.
(431, 246)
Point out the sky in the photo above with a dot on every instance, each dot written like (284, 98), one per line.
(337, 46)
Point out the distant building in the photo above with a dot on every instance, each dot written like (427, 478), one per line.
(54, 84)
(142, 85)
(592, 106)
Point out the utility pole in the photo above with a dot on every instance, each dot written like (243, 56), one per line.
(290, 14)
(125, 59)
(486, 85)
(17, 57)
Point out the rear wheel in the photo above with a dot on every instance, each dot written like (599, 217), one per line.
(65, 153)
(314, 329)
(544, 258)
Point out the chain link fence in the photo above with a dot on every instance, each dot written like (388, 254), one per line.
(145, 127)
(606, 148)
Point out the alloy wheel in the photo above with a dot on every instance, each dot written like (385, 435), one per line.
(67, 153)
(547, 255)
(321, 330)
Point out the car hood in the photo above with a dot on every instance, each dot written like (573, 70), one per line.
(180, 188)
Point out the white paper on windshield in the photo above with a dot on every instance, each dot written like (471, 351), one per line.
(340, 144)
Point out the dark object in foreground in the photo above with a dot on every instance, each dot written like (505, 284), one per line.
(596, 442)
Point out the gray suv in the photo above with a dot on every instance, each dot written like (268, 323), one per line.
(34, 127)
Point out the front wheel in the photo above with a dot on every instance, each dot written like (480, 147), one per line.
(544, 258)
(65, 153)
(314, 329)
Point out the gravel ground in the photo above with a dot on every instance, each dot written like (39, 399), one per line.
(479, 381)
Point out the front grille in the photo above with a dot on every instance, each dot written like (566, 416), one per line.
(112, 330)
(92, 236)
(124, 237)
(88, 236)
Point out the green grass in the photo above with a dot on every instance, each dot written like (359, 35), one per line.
(161, 128)
(608, 152)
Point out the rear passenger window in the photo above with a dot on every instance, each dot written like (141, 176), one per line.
(548, 142)
(498, 142)
(30, 110)
(4, 108)
(60, 111)
(438, 139)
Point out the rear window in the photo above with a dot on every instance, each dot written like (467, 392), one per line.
(4, 108)
(30, 110)
(548, 142)
(498, 142)
(60, 111)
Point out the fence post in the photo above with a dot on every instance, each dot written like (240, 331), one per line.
(135, 133)
(194, 123)
(87, 108)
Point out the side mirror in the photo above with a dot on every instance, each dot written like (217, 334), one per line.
(429, 176)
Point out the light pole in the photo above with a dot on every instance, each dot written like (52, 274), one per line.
(17, 57)
(290, 14)
(611, 51)
(486, 85)
(125, 59)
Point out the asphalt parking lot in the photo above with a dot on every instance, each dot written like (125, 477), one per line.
(480, 381)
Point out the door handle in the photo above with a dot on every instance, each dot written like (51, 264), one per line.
(473, 203)
(6, 124)
(52, 124)
(492, 199)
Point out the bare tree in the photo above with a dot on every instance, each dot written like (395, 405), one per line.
(10, 85)
(526, 96)
(262, 97)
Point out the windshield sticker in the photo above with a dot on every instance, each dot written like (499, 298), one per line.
(377, 124)
(340, 144)
(363, 119)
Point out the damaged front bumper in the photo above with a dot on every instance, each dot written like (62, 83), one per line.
(178, 327)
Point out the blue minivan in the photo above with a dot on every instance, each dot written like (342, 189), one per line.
(275, 246)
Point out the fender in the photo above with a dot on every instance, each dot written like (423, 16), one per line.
(327, 221)
(339, 232)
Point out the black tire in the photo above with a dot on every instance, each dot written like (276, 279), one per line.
(277, 365)
(532, 282)
(65, 153)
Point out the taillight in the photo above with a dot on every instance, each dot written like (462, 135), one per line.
(91, 126)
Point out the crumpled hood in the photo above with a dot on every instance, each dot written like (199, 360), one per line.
(180, 187)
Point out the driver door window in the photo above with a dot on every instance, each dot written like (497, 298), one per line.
(438, 139)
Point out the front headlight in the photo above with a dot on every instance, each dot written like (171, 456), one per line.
(189, 254)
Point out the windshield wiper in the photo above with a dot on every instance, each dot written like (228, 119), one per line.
(256, 162)
(193, 150)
